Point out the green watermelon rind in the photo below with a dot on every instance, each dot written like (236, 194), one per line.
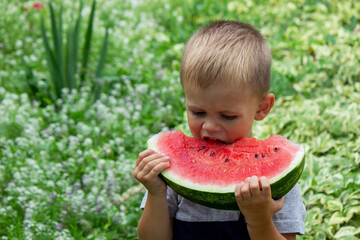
(224, 197)
(226, 200)
(284, 184)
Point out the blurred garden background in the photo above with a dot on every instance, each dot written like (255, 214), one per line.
(83, 86)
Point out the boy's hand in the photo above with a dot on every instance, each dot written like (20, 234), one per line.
(147, 169)
(257, 205)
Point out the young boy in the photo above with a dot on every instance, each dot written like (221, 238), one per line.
(225, 75)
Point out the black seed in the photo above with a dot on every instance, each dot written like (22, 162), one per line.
(226, 160)
(262, 156)
(256, 156)
(212, 153)
(276, 149)
(202, 147)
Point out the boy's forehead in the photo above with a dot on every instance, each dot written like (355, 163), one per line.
(217, 89)
(220, 97)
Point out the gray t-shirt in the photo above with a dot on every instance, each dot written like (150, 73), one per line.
(290, 219)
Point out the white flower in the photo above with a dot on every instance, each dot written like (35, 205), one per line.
(87, 142)
(122, 208)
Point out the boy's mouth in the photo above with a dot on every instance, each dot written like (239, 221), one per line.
(214, 139)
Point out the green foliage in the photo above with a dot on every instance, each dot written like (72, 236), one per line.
(329, 127)
(62, 57)
(66, 164)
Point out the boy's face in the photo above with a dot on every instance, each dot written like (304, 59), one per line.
(220, 113)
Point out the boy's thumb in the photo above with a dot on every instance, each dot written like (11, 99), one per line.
(279, 203)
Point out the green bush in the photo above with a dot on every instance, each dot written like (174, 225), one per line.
(62, 57)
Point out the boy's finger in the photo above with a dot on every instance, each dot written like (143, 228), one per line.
(151, 169)
(156, 170)
(265, 187)
(143, 155)
(254, 186)
(238, 195)
(148, 159)
(279, 203)
(245, 191)
(153, 174)
(148, 164)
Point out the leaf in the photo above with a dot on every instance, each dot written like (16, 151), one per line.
(352, 24)
(103, 51)
(334, 205)
(331, 185)
(349, 238)
(317, 198)
(72, 51)
(314, 216)
(348, 181)
(347, 231)
(76, 40)
(320, 231)
(330, 39)
(69, 65)
(353, 202)
(87, 45)
(57, 39)
(29, 77)
(355, 195)
(100, 66)
(323, 144)
(351, 211)
(51, 60)
(337, 218)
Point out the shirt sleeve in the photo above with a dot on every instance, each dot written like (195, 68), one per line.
(172, 200)
(291, 218)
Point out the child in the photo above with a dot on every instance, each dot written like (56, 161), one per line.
(225, 75)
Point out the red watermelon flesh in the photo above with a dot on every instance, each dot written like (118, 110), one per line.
(211, 162)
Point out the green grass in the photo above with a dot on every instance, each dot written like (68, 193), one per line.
(66, 168)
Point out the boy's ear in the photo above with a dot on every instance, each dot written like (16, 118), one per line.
(265, 106)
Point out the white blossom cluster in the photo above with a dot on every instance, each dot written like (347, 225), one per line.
(74, 160)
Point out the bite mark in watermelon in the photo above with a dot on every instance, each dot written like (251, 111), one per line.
(206, 172)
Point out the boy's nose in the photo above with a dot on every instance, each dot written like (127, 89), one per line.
(211, 126)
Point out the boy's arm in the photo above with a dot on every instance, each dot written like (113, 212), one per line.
(155, 222)
(267, 230)
(258, 208)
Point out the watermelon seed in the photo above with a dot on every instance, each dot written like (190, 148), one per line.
(256, 156)
(212, 153)
(262, 156)
(226, 160)
(202, 147)
(276, 149)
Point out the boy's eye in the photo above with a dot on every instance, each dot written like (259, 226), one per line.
(226, 117)
(198, 113)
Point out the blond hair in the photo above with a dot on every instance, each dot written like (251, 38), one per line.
(227, 52)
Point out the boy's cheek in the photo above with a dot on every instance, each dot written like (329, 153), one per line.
(195, 127)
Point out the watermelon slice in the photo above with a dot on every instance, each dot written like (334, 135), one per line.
(206, 172)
